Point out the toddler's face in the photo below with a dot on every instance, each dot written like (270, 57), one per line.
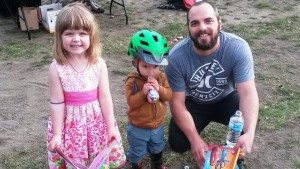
(75, 42)
(148, 70)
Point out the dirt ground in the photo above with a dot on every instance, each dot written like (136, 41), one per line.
(24, 90)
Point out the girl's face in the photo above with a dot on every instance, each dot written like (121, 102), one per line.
(148, 70)
(75, 42)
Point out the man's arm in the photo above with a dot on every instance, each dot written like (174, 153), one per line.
(185, 122)
(249, 105)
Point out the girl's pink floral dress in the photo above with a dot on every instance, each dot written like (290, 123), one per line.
(85, 132)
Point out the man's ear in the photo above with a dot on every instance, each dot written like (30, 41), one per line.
(220, 23)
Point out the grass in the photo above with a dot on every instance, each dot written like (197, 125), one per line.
(286, 29)
(29, 157)
(296, 163)
(173, 30)
(284, 110)
(265, 5)
(116, 45)
(120, 72)
(19, 49)
(280, 112)
(45, 60)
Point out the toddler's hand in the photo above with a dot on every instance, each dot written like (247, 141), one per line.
(147, 86)
(154, 83)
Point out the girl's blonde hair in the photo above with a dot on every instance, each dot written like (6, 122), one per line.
(76, 16)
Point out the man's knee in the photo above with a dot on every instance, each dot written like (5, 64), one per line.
(177, 147)
(177, 140)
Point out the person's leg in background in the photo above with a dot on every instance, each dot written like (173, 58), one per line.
(95, 7)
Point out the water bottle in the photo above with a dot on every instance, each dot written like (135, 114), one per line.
(152, 96)
(235, 126)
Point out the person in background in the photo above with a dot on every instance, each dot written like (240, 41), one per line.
(82, 121)
(94, 6)
(211, 75)
(147, 91)
(91, 4)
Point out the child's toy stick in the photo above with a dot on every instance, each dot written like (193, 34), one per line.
(101, 157)
(58, 150)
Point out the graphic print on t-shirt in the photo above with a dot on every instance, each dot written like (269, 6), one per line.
(204, 84)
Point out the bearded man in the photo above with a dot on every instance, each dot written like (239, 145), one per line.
(211, 75)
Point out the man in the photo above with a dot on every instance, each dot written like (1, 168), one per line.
(211, 75)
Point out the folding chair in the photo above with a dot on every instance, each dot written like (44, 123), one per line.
(19, 16)
(21, 4)
(122, 4)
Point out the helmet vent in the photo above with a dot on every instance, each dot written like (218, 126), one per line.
(141, 35)
(144, 43)
(165, 45)
(147, 52)
(155, 38)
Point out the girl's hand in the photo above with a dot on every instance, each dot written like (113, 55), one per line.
(55, 141)
(153, 83)
(112, 134)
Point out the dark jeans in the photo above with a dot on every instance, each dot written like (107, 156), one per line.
(203, 114)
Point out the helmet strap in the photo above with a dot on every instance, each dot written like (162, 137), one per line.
(135, 63)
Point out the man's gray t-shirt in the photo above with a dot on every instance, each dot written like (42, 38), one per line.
(208, 79)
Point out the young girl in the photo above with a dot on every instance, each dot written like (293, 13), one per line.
(82, 122)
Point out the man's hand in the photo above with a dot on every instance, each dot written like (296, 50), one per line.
(198, 147)
(245, 143)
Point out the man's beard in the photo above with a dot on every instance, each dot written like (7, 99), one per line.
(206, 46)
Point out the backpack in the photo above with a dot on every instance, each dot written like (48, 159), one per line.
(178, 4)
(189, 3)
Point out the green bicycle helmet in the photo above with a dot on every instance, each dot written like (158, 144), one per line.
(149, 46)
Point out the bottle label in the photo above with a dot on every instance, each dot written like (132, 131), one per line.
(237, 127)
(234, 136)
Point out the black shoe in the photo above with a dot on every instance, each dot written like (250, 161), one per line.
(239, 163)
(98, 10)
(136, 165)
